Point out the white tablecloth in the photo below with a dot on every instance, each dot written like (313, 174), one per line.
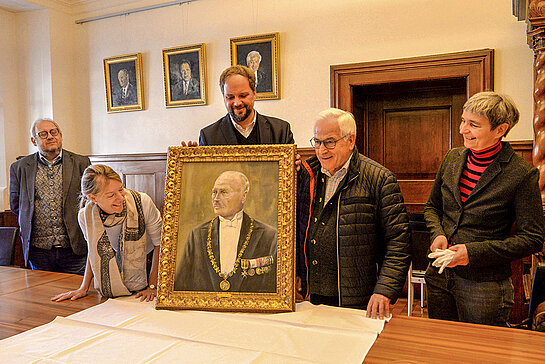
(125, 330)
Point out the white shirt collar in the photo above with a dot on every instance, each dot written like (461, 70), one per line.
(236, 219)
(48, 163)
(245, 132)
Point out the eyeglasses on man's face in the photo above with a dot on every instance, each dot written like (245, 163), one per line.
(43, 134)
(328, 143)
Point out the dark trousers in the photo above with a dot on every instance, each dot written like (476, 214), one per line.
(451, 297)
(57, 260)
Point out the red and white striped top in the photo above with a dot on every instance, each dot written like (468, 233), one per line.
(477, 162)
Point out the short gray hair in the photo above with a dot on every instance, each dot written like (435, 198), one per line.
(244, 183)
(253, 54)
(497, 108)
(345, 119)
(37, 121)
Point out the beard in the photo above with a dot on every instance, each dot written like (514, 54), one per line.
(56, 148)
(247, 111)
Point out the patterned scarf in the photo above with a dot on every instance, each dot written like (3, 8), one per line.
(116, 274)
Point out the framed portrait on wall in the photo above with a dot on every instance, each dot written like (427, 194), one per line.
(184, 70)
(124, 87)
(260, 54)
(229, 229)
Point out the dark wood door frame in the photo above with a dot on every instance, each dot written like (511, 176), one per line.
(476, 66)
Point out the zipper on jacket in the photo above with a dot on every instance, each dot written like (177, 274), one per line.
(337, 245)
(337, 238)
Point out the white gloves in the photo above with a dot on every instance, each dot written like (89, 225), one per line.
(442, 258)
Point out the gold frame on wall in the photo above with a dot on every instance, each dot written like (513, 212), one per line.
(133, 98)
(191, 173)
(195, 57)
(269, 69)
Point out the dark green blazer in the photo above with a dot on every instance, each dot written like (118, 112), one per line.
(507, 191)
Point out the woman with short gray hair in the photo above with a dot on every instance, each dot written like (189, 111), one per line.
(480, 191)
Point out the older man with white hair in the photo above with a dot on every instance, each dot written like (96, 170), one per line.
(253, 61)
(352, 225)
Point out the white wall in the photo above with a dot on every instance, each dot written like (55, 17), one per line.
(34, 71)
(67, 91)
(25, 84)
(9, 110)
(313, 36)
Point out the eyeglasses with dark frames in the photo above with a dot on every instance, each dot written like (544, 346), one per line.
(328, 143)
(43, 134)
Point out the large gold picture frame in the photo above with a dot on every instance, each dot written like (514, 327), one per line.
(184, 71)
(191, 227)
(124, 86)
(259, 53)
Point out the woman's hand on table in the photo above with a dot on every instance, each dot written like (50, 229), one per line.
(73, 295)
(147, 294)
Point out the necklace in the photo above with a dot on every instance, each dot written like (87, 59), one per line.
(224, 284)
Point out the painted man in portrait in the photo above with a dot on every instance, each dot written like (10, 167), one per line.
(188, 87)
(253, 61)
(233, 252)
(125, 94)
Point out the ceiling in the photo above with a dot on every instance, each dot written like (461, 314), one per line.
(74, 6)
(18, 6)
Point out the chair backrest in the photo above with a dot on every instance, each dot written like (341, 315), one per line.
(7, 244)
(538, 289)
(420, 241)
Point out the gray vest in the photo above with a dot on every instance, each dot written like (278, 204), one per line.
(48, 228)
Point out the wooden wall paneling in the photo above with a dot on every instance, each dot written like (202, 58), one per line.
(523, 148)
(140, 172)
(306, 152)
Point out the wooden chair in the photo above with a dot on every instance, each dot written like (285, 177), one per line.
(7, 244)
(420, 243)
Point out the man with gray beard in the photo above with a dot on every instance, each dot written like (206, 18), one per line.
(43, 191)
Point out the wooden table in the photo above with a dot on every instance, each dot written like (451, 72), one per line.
(25, 298)
(25, 303)
(422, 340)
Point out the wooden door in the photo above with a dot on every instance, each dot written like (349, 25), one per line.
(408, 110)
(408, 127)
